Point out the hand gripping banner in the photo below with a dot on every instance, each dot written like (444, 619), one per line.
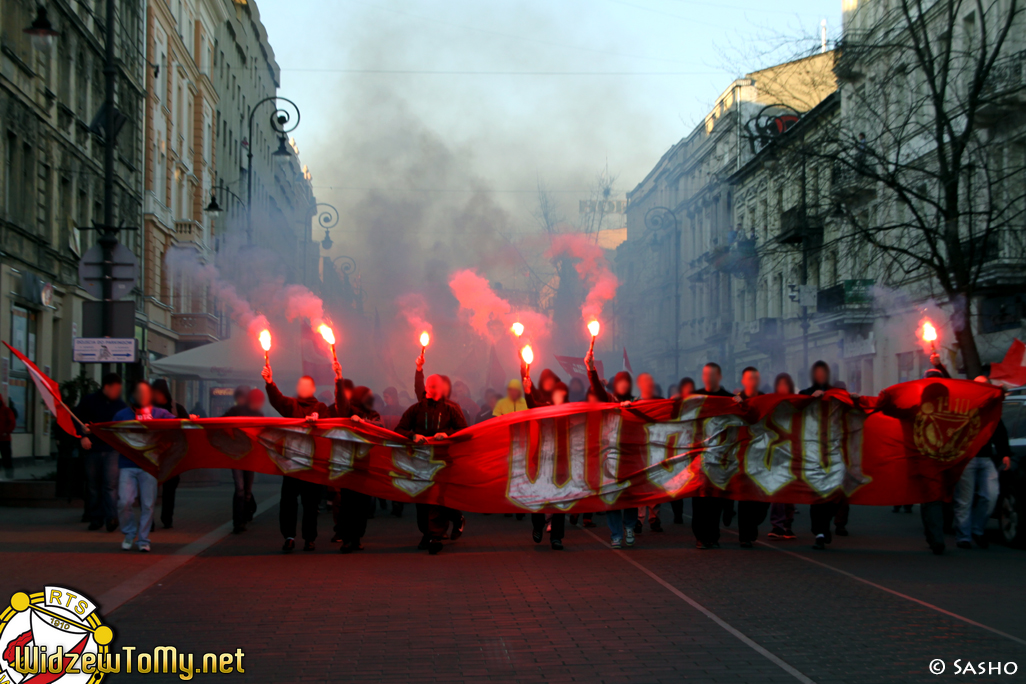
(909, 445)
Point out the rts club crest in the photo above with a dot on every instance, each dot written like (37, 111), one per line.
(49, 635)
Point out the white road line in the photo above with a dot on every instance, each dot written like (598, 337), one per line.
(114, 598)
(711, 615)
(893, 592)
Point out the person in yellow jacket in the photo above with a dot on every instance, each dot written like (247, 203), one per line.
(513, 401)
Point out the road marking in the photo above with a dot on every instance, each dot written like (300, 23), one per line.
(143, 580)
(709, 614)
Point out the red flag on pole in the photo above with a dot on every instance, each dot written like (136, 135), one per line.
(1010, 371)
(50, 392)
(627, 362)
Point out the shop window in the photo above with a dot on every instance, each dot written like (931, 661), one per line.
(21, 390)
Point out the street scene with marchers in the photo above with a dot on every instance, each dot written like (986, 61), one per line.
(591, 341)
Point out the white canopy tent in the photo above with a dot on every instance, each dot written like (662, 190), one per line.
(237, 360)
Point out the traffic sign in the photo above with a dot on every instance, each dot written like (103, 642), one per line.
(125, 270)
(104, 350)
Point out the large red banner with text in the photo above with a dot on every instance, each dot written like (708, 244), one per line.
(909, 445)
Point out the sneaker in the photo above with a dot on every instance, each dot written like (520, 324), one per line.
(629, 537)
(656, 525)
(536, 535)
(702, 546)
(820, 542)
(457, 531)
(425, 542)
(981, 541)
(126, 545)
(776, 533)
(434, 546)
(747, 545)
(842, 531)
(788, 534)
(144, 548)
(288, 546)
(964, 545)
(357, 546)
(557, 544)
(336, 539)
(309, 546)
(615, 544)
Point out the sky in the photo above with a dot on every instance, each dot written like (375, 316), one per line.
(430, 124)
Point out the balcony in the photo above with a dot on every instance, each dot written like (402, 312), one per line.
(852, 179)
(155, 208)
(852, 50)
(846, 304)
(196, 327)
(797, 227)
(1008, 76)
(188, 231)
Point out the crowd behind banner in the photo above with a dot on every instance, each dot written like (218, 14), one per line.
(442, 408)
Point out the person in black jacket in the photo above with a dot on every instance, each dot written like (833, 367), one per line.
(101, 459)
(750, 514)
(433, 417)
(353, 506)
(162, 399)
(249, 403)
(707, 510)
(556, 395)
(622, 522)
(304, 405)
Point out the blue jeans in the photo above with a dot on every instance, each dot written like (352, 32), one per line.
(102, 485)
(136, 481)
(976, 494)
(617, 519)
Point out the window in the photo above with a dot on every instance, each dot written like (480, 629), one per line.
(20, 392)
(906, 363)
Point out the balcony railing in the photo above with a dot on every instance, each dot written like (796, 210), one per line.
(156, 208)
(855, 294)
(187, 230)
(196, 325)
(1007, 75)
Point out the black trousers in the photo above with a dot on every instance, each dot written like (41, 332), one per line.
(243, 503)
(433, 520)
(705, 518)
(6, 460)
(351, 523)
(677, 505)
(841, 516)
(932, 514)
(750, 514)
(292, 490)
(822, 514)
(558, 524)
(167, 505)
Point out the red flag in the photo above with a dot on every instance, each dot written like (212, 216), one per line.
(51, 393)
(627, 362)
(576, 368)
(1010, 371)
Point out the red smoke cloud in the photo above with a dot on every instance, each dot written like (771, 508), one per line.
(489, 314)
(241, 311)
(413, 307)
(591, 266)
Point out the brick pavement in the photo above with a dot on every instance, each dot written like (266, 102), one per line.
(495, 607)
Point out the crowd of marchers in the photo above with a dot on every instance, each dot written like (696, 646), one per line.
(441, 408)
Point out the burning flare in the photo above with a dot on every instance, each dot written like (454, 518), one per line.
(593, 328)
(517, 328)
(327, 333)
(425, 339)
(929, 332)
(527, 354)
(265, 340)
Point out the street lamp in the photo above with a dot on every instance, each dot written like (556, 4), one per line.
(214, 207)
(660, 220)
(41, 31)
(328, 220)
(280, 123)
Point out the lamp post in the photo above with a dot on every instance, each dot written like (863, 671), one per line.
(659, 220)
(214, 207)
(281, 123)
(328, 219)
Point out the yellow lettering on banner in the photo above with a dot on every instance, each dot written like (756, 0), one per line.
(832, 455)
(610, 485)
(720, 446)
(670, 453)
(346, 447)
(417, 468)
(768, 459)
(292, 449)
(543, 489)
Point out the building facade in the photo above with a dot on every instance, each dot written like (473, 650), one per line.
(52, 173)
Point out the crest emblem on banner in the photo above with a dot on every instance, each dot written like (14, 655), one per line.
(944, 427)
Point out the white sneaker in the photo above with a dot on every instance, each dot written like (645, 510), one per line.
(126, 545)
(628, 536)
(145, 548)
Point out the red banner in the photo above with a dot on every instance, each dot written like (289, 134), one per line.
(909, 445)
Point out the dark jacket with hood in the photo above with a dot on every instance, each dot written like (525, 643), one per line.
(603, 395)
(359, 407)
(171, 406)
(290, 407)
(537, 396)
(815, 386)
(428, 417)
(97, 408)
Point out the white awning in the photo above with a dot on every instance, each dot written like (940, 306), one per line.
(237, 360)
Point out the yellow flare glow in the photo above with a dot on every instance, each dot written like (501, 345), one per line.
(527, 355)
(929, 332)
(327, 333)
(593, 328)
(425, 339)
(517, 328)
(265, 339)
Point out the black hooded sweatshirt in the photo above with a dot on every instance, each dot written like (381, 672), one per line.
(604, 395)
(171, 406)
(290, 407)
(428, 417)
(537, 396)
